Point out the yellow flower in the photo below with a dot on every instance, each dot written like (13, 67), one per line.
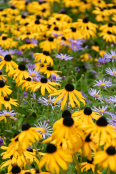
(26, 83)
(19, 73)
(108, 36)
(49, 71)
(106, 158)
(71, 93)
(86, 115)
(55, 157)
(43, 57)
(44, 84)
(7, 60)
(4, 89)
(2, 77)
(7, 102)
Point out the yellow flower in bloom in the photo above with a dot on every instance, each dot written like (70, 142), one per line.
(99, 3)
(26, 83)
(108, 27)
(44, 84)
(100, 131)
(40, 66)
(106, 158)
(72, 33)
(50, 71)
(71, 93)
(28, 134)
(2, 77)
(108, 36)
(85, 57)
(7, 102)
(43, 57)
(27, 46)
(71, 3)
(33, 171)
(101, 14)
(19, 73)
(7, 60)
(54, 158)
(88, 146)
(4, 89)
(84, 5)
(28, 35)
(49, 44)
(86, 115)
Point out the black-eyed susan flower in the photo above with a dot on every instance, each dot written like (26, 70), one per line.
(44, 84)
(88, 146)
(86, 115)
(87, 165)
(108, 27)
(19, 73)
(101, 14)
(108, 36)
(28, 134)
(4, 89)
(2, 77)
(40, 66)
(106, 158)
(70, 93)
(49, 71)
(45, 56)
(67, 133)
(7, 60)
(7, 102)
(100, 131)
(49, 44)
(28, 45)
(54, 158)
(26, 83)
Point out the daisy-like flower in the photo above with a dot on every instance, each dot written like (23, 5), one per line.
(94, 93)
(100, 131)
(54, 157)
(106, 158)
(87, 165)
(44, 84)
(9, 114)
(26, 83)
(19, 73)
(45, 56)
(88, 146)
(103, 60)
(8, 52)
(110, 71)
(108, 36)
(103, 83)
(63, 57)
(48, 70)
(4, 89)
(49, 101)
(7, 102)
(86, 115)
(46, 127)
(7, 60)
(101, 110)
(29, 135)
(2, 77)
(110, 56)
(35, 74)
(72, 95)
(56, 78)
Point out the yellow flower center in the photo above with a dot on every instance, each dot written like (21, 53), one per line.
(113, 55)
(102, 111)
(49, 101)
(96, 95)
(33, 74)
(63, 57)
(75, 47)
(102, 84)
(114, 73)
(7, 114)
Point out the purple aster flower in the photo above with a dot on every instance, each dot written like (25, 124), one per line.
(110, 71)
(64, 57)
(111, 55)
(34, 41)
(111, 99)
(48, 129)
(103, 83)
(94, 93)
(10, 114)
(101, 110)
(56, 35)
(19, 52)
(31, 66)
(24, 59)
(1, 142)
(33, 95)
(25, 94)
(77, 68)
(35, 75)
(63, 77)
(76, 45)
(48, 101)
(103, 60)
(10, 51)
(56, 78)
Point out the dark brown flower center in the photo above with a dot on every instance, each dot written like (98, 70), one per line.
(69, 87)
(46, 53)
(102, 121)
(8, 58)
(87, 111)
(51, 39)
(2, 84)
(66, 113)
(6, 98)
(85, 20)
(16, 169)
(44, 80)
(25, 126)
(51, 148)
(68, 121)
(22, 67)
(111, 150)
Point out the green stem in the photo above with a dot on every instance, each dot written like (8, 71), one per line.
(48, 114)
(108, 170)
